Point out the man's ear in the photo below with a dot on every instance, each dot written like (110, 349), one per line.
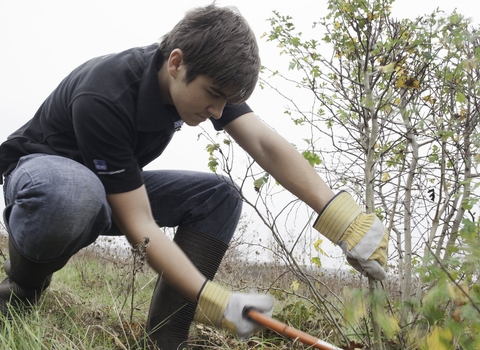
(175, 60)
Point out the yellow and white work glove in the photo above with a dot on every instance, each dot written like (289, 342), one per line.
(221, 308)
(362, 237)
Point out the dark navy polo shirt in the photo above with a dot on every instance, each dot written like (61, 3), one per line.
(107, 114)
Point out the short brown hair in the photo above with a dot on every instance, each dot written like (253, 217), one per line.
(219, 43)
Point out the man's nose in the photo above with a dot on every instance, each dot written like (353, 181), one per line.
(216, 110)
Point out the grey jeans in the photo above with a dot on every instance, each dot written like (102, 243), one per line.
(59, 206)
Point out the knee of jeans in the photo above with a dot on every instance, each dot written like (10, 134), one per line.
(86, 198)
(232, 196)
(72, 197)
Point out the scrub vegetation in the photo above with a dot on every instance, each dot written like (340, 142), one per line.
(387, 109)
(100, 300)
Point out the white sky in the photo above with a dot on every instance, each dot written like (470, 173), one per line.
(42, 41)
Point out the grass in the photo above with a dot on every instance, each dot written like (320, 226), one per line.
(100, 300)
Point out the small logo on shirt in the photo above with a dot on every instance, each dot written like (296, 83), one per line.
(178, 124)
(100, 164)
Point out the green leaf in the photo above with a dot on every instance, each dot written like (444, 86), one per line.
(469, 229)
(468, 203)
(433, 309)
(316, 260)
(258, 183)
(461, 98)
(312, 158)
(212, 148)
(433, 158)
(213, 164)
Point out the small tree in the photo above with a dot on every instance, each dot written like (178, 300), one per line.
(397, 101)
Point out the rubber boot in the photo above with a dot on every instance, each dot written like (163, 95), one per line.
(26, 278)
(171, 314)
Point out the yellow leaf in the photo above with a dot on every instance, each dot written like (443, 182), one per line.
(394, 324)
(477, 158)
(413, 83)
(385, 177)
(457, 294)
(316, 245)
(439, 339)
(400, 82)
(295, 285)
(400, 69)
(371, 17)
(389, 68)
(429, 99)
(390, 326)
(357, 308)
(409, 83)
(470, 64)
(451, 291)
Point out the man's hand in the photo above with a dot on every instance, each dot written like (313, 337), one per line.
(362, 237)
(221, 308)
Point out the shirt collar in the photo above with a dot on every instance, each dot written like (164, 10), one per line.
(151, 112)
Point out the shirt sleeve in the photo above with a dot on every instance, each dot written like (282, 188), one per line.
(230, 112)
(106, 137)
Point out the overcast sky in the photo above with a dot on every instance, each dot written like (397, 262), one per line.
(42, 41)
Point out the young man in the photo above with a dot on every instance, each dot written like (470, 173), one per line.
(74, 172)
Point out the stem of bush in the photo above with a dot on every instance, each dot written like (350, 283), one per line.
(377, 336)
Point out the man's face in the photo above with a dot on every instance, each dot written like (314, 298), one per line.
(198, 100)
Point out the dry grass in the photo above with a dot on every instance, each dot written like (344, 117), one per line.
(97, 301)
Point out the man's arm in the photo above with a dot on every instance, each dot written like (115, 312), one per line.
(216, 305)
(132, 213)
(362, 237)
(280, 159)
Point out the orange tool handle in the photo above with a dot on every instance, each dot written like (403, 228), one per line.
(288, 331)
